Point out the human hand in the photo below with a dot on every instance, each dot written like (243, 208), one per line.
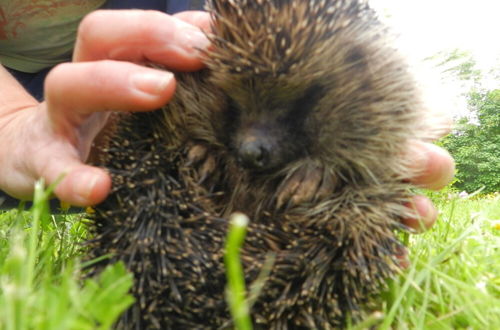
(48, 139)
(436, 169)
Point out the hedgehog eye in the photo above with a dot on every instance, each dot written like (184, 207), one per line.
(304, 105)
(231, 117)
(233, 111)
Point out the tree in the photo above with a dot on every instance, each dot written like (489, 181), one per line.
(476, 146)
(475, 141)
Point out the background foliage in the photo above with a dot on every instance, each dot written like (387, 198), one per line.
(475, 141)
(476, 146)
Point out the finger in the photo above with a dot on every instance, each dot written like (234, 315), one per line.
(84, 186)
(434, 166)
(41, 154)
(141, 36)
(402, 258)
(197, 18)
(426, 214)
(104, 85)
(81, 185)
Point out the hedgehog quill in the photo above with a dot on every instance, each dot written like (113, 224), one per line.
(299, 121)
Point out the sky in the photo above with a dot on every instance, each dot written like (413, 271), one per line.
(427, 27)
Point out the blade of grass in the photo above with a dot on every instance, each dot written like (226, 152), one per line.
(236, 291)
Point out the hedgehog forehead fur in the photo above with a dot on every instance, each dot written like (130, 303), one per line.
(277, 38)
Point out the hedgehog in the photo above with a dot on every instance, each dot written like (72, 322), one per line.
(299, 121)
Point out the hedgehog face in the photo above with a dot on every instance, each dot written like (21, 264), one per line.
(288, 85)
(310, 79)
(266, 130)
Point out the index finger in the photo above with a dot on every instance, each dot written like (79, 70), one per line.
(143, 36)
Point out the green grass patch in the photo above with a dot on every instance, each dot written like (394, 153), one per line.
(41, 280)
(454, 279)
(453, 282)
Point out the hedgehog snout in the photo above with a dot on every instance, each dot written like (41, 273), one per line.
(255, 154)
(257, 148)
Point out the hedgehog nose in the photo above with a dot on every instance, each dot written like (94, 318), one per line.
(254, 154)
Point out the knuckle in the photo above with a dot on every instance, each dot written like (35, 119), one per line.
(54, 77)
(90, 22)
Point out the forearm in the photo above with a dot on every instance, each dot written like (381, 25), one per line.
(13, 96)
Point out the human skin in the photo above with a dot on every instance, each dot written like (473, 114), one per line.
(54, 137)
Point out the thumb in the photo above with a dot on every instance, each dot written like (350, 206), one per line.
(81, 185)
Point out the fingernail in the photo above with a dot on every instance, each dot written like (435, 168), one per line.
(152, 83)
(192, 39)
(435, 167)
(441, 168)
(447, 168)
(85, 186)
(426, 212)
(402, 257)
(422, 206)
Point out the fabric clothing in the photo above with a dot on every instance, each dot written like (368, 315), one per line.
(38, 34)
(168, 6)
(32, 82)
(160, 5)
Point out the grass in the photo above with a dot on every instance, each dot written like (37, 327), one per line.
(41, 280)
(236, 291)
(453, 282)
(454, 279)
